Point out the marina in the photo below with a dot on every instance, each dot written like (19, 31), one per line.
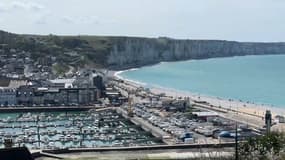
(86, 129)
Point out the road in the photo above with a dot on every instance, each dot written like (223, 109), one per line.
(238, 117)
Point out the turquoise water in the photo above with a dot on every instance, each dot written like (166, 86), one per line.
(259, 79)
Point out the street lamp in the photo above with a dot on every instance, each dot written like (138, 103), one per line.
(236, 142)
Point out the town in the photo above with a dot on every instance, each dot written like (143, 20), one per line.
(55, 108)
(142, 80)
(25, 82)
(34, 85)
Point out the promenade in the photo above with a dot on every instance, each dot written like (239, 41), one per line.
(248, 114)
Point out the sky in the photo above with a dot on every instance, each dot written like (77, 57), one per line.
(240, 20)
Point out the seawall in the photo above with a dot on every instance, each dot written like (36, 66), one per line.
(142, 148)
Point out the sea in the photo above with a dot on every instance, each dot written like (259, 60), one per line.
(259, 79)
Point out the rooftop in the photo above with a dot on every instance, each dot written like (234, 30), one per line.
(67, 82)
(205, 114)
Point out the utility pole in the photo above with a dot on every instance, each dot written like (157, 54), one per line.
(130, 108)
(268, 122)
(38, 131)
(236, 142)
(82, 136)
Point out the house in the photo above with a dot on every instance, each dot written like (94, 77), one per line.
(25, 95)
(7, 97)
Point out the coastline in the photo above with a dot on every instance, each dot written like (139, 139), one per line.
(117, 75)
(250, 108)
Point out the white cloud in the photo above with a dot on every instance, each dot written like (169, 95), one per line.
(41, 20)
(86, 20)
(67, 19)
(36, 7)
(89, 20)
(244, 20)
(79, 20)
(21, 5)
(3, 8)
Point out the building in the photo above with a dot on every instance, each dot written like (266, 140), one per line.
(64, 96)
(176, 105)
(56, 92)
(4, 82)
(8, 90)
(87, 95)
(113, 96)
(19, 69)
(45, 61)
(205, 115)
(78, 96)
(8, 97)
(25, 94)
(62, 83)
(98, 82)
(12, 83)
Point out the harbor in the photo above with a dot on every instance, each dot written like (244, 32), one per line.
(60, 130)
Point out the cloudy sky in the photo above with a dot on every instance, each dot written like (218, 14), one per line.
(242, 20)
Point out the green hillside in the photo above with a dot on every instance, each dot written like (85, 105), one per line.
(71, 50)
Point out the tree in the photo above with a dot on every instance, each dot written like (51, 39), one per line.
(269, 146)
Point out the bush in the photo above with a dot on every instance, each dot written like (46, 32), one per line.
(270, 146)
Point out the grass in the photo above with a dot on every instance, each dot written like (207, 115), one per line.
(60, 68)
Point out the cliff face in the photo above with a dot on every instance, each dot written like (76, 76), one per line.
(127, 52)
(135, 52)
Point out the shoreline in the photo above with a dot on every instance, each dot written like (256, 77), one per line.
(250, 108)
